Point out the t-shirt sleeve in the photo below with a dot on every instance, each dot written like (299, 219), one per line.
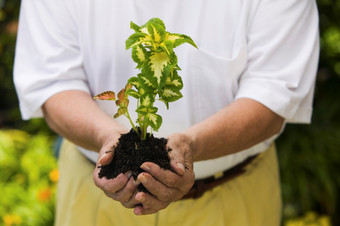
(283, 51)
(48, 59)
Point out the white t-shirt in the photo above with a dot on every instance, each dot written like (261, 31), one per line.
(260, 49)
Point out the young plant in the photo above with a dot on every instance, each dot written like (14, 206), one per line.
(153, 51)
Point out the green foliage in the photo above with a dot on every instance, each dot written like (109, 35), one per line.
(28, 176)
(153, 51)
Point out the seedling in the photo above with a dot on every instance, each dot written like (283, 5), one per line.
(153, 51)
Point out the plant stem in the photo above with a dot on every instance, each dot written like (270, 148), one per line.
(133, 126)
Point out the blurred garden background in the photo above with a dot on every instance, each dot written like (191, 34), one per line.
(309, 155)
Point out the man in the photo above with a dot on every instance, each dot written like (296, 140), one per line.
(254, 72)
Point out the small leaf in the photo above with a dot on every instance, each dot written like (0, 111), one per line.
(156, 31)
(147, 81)
(157, 21)
(170, 94)
(174, 80)
(134, 81)
(121, 94)
(183, 39)
(139, 55)
(143, 110)
(134, 26)
(107, 95)
(147, 100)
(154, 120)
(136, 39)
(122, 103)
(121, 111)
(133, 93)
(167, 46)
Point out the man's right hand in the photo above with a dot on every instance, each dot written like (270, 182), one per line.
(123, 188)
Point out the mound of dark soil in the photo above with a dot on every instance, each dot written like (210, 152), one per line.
(131, 152)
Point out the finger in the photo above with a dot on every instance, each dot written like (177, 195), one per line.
(167, 177)
(149, 203)
(157, 189)
(125, 194)
(105, 158)
(111, 185)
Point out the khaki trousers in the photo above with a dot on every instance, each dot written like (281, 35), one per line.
(252, 199)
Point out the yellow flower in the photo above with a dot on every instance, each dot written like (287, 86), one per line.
(45, 194)
(11, 220)
(54, 175)
(325, 221)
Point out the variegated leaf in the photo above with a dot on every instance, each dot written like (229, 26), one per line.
(157, 21)
(147, 99)
(174, 80)
(107, 95)
(157, 64)
(136, 39)
(121, 94)
(156, 31)
(170, 94)
(154, 120)
(167, 46)
(143, 110)
(134, 26)
(139, 55)
(121, 111)
(134, 81)
(179, 39)
(133, 93)
(147, 81)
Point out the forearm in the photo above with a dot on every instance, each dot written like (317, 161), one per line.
(238, 126)
(75, 116)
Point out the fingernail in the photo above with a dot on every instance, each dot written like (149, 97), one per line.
(145, 167)
(136, 182)
(181, 166)
(142, 179)
(101, 157)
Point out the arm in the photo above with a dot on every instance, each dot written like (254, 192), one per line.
(74, 115)
(237, 127)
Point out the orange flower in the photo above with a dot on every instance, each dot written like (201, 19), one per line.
(54, 175)
(45, 194)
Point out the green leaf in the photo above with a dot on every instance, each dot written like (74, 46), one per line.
(134, 26)
(170, 94)
(167, 46)
(133, 93)
(121, 111)
(139, 55)
(159, 64)
(107, 95)
(134, 81)
(154, 120)
(143, 110)
(146, 81)
(136, 39)
(156, 31)
(174, 80)
(157, 21)
(181, 39)
(147, 100)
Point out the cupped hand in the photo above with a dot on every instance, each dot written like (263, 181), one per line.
(122, 188)
(167, 186)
